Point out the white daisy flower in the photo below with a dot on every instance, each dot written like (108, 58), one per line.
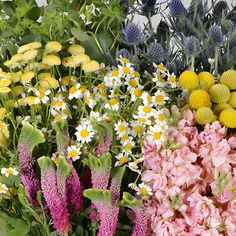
(58, 103)
(3, 188)
(9, 171)
(43, 96)
(160, 68)
(113, 79)
(89, 99)
(158, 78)
(137, 128)
(147, 99)
(145, 111)
(121, 128)
(172, 80)
(142, 119)
(159, 98)
(128, 145)
(112, 104)
(95, 116)
(74, 152)
(126, 70)
(144, 190)
(136, 93)
(133, 186)
(132, 166)
(122, 159)
(160, 118)
(75, 92)
(156, 132)
(84, 133)
(132, 83)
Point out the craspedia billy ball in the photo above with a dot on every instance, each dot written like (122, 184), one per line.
(206, 80)
(220, 107)
(199, 98)
(219, 93)
(229, 79)
(204, 115)
(189, 80)
(232, 100)
(228, 118)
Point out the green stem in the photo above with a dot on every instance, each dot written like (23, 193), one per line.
(216, 61)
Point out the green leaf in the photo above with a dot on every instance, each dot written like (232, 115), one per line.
(130, 201)
(80, 34)
(98, 195)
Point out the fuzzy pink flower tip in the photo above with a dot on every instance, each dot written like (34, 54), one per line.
(55, 203)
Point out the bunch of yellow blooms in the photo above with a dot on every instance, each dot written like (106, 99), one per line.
(212, 99)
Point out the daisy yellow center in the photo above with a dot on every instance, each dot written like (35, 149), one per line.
(124, 59)
(128, 147)
(125, 137)
(1, 188)
(133, 83)
(161, 67)
(41, 95)
(138, 129)
(143, 120)
(157, 135)
(172, 79)
(102, 93)
(56, 160)
(86, 100)
(113, 101)
(138, 92)
(160, 78)
(58, 117)
(143, 191)
(126, 70)
(147, 109)
(9, 172)
(59, 103)
(84, 133)
(101, 86)
(121, 128)
(136, 74)
(159, 98)
(123, 160)
(72, 90)
(115, 73)
(82, 89)
(161, 117)
(73, 153)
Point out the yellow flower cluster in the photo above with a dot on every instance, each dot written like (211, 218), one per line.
(211, 100)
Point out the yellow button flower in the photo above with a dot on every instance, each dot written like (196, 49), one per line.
(76, 49)
(81, 59)
(189, 80)
(53, 46)
(199, 98)
(227, 118)
(51, 60)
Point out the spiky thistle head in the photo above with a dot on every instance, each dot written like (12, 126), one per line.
(156, 52)
(220, 7)
(192, 45)
(176, 7)
(124, 53)
(132, 34)
(215, 35)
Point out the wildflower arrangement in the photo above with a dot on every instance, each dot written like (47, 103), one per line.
(108, 127)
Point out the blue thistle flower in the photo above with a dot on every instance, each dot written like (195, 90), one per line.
(176, 7)
(227, 26)
(132, 34)
(219, 8)
(171, 66)
(124, 53)
(215, 35)
(156, 52)
(192, 46)
(126, 5)
(210, 50)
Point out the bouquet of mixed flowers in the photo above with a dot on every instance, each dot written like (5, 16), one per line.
(118, 131)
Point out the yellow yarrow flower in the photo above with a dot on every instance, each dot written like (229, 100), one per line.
(76, 49)
(53, 46)
(68, 62)
(90, 66)
(5, 90)
(17, 90)
(3, 112)
(5, 82)
(51, 60)
(81, 59)
(27, 77)
(30, 55)
(49, 82)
